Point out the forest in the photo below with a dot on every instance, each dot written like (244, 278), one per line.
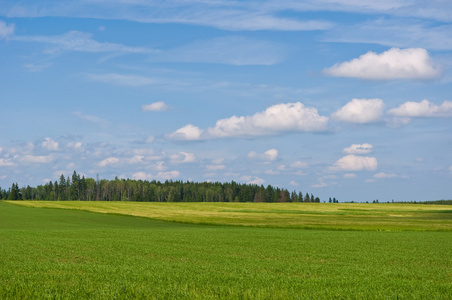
(78, 187)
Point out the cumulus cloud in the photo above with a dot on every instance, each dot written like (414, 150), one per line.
(358, 149)
(50, 144)
(109, 161)
(188, 132)
(422, 109)
(411, 63)
(275, 119)
(269, 155)
(355, 163)
(183, 157)
(142, 176)
(156, 106)
(6, 30)
(360, 111)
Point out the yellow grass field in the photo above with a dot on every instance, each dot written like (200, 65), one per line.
(337, 216)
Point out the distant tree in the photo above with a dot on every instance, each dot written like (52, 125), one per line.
(14, 193)
(307, 198)
(62, 188)
(74, 189)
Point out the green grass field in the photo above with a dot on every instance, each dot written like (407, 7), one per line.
(48, 253)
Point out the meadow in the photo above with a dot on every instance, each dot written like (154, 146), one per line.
(132, 251)
(337, 216)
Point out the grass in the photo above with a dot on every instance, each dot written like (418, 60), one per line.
(74, 254)
(341, 216)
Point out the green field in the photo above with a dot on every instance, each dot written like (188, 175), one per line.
(75, 254)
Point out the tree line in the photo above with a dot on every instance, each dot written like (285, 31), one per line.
(80, 188)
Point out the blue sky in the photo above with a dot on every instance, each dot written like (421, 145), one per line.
(339, 98)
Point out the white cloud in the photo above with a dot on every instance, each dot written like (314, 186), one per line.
(39, 159)
(275, 119)
(142, 176)
(109, 161)
(383, 175)
(359, 149)
(411, 63)
(293, 183)
(269, 155)
(150, 139)
(50, 144)
(188, 132)
(6, 30)
(355, 163)
(183, 157)
(156, 106)
(422, 109)
(360, 111)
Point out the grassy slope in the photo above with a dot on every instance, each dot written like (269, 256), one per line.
(51, 253)
(345, 216)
